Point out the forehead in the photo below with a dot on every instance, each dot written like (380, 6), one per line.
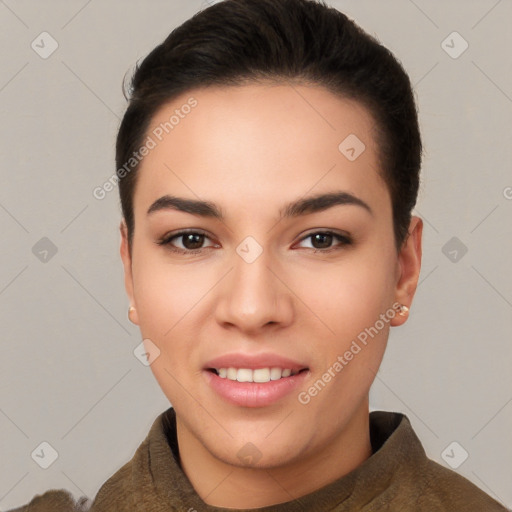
(258, 140)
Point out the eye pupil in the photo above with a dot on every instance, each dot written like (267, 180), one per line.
(195, 238)
(322, 237)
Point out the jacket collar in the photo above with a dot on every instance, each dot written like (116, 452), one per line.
(397, 452)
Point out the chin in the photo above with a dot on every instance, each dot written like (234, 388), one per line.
(258, 454)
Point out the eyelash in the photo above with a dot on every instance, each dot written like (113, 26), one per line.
(166, 241)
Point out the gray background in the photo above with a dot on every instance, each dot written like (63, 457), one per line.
(69, 376)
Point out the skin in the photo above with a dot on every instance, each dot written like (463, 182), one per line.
(252, 149)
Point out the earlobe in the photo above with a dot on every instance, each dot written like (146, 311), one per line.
(131, 315)
(409, 261)
(128, 275)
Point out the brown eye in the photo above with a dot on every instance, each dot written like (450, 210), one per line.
(192, 240)
(185, 242)
(322, 241)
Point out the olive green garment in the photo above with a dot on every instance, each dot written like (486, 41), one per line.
(398, 477)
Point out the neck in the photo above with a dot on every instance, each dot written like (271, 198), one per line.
(221, 484)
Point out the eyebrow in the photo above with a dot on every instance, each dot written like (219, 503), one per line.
(303, 206)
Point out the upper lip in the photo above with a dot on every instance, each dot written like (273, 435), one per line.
(254, 361)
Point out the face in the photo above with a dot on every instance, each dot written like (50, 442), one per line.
(263, 250)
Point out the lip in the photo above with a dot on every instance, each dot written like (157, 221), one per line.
(255, 361)
(254, 394)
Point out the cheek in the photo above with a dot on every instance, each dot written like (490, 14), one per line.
(350, 295)
(165, 293)
(350, 299)
(168, 299)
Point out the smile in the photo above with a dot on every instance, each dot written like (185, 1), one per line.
(260, 375)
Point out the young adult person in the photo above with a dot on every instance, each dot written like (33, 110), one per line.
(268, 165)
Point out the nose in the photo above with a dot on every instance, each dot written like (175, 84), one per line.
(254, 296)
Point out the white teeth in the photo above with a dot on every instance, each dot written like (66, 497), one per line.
(275, 373)
(244, 375)
(259, 375)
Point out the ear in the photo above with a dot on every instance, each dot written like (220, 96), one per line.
(127, 264)
(409, 266)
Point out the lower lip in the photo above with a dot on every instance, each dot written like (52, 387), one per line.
(254, 394)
